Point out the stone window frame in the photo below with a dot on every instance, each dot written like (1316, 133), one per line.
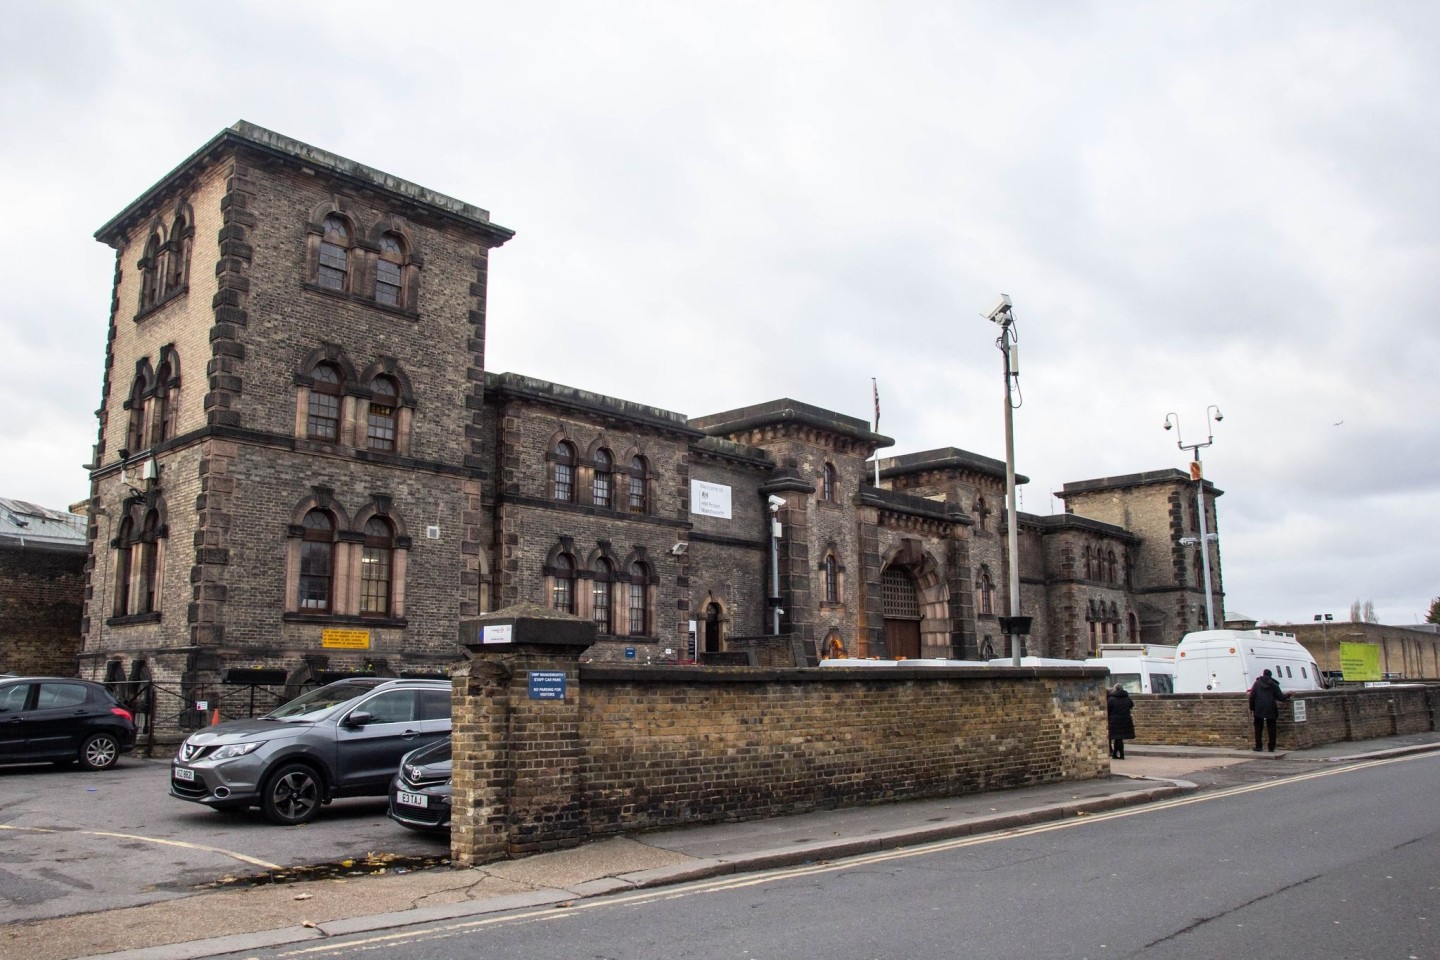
(984, 592)
(832, 576)
(639, 591)
(562, 473)
(164, 262)
(602, 595)
(637, 485)
(404, 408)
(602, 478)
(829, 483)
(346, 601)
(139, 553)
(387, 239)
(152, 406)
(377, 567)
(560, 572)
(334, 262)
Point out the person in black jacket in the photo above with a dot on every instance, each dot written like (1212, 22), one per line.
(1265, 697)
(1122, 726)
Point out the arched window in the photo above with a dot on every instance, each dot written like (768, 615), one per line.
(334, 268)
(135, 428)
(1110, 567)
(563, 472)
(323, 416)
(832, 580)
(142, 595)
(562, 577)
(602, 487)
(638, 482)
(389, 278)
(317, 561)
(1089, 563)
(150, 277)
(829, 482)
(376, 566)
(982, 510)
(164, 402)
(600, 610)
(124, 558)
(177, 259)
(639, 600)
(987, 592)
(381, 421)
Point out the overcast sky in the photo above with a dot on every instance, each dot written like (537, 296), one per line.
(726, 203)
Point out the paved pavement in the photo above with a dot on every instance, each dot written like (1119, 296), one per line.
(233, 920)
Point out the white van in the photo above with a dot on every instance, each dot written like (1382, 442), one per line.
(1229, 661)
(1138, 674)
(1035, 662)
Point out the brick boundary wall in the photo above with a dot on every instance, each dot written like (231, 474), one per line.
(636, 748)
(1331, 716)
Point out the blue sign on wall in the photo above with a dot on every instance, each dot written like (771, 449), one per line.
(547, 684)
(629, 653)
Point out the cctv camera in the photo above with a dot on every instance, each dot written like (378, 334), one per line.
(1219, 416)
(1167, 424)
(776, 502)
(999, 307)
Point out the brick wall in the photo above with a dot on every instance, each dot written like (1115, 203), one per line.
(639, 748)
(1331, 716)
(41, 593)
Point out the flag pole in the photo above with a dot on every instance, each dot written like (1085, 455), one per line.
(875, 389)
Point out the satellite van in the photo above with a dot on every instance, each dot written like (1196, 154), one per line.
(1229, 661)
(1138, 674)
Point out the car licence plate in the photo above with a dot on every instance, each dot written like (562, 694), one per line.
(412, 799)
(182, 774)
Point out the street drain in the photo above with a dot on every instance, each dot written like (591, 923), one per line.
(370, 865)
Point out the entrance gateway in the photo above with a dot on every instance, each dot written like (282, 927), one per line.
(901, 604)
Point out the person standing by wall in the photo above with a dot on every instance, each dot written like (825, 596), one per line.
(1265, 697)
(1118, 707)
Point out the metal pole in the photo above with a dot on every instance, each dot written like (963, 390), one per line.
(1204, 546)
(775, 570)
(1013, 518)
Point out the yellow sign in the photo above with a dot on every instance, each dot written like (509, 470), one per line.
(345, 639)
(1360, 661)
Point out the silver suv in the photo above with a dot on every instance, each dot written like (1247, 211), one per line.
(344, 739)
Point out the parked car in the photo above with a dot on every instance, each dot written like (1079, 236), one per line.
(340, 740)
(420, 792)
(62, 720)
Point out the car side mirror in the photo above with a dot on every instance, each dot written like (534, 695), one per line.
(358, 719)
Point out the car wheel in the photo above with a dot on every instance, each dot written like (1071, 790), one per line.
(100, 751)
(292, 795)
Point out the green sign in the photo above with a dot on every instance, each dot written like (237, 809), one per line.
(1360, 661)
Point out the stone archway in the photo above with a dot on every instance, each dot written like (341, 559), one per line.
(929, 617)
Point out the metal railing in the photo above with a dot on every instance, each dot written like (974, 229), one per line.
(172, 711)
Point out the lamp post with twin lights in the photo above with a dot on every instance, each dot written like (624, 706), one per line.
(1212, 415)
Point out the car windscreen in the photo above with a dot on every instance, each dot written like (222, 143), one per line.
(319, 702)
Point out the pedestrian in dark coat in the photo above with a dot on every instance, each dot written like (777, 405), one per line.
(1265, 697)
(1122, 726)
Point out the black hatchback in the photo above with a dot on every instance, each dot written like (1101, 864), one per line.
(62, 720)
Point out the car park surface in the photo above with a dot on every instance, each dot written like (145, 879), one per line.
(344, 739)
(74, 841)
(62, 720)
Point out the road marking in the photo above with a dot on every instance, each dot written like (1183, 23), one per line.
(160, 840)
(787, 873)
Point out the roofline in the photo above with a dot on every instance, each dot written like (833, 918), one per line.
(945, 458)
(245, 135)
(1146, 478)
(789, 411)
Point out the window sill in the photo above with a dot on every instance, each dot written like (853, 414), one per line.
(347, 619)
(361, 300)
(130, 619)
(159, 305)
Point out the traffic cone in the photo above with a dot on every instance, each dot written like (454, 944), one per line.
(214, 716)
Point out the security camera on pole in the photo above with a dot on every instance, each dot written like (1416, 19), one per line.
(1014, 626)
(1197, 473)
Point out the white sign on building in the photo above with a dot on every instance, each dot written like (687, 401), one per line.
(710, 499)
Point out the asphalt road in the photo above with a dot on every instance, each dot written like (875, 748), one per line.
(1339, 862)
(76, 841)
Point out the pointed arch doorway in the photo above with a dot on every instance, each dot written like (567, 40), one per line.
(713, 619)
(900, 600)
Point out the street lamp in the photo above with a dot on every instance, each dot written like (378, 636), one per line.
(1212, 414)
(1001, 314)
(1324, 620)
